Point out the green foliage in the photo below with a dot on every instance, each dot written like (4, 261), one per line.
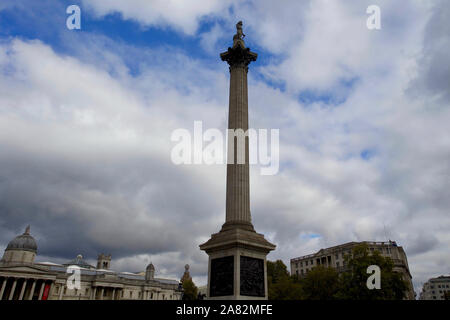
(190, 290)
(320, 284)
(281, 285)
(353, 282)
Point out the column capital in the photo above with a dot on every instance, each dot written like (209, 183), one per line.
(238, 57)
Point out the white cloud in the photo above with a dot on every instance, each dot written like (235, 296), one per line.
(178, 14)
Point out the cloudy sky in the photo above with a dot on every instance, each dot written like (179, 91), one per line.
(86, 118)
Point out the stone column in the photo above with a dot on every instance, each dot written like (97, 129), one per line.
(30, 297)
(41, 291)
(23, 289)
(11, 294)
(114, 294)
(238, 184)
(237, 254)
(61, 293)
(94, 293)
(2, 290)
(101, 293)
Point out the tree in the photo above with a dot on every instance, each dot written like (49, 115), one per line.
(190, 290)
(276, 271)
(320, 284)
(281, 286)
(353, 281)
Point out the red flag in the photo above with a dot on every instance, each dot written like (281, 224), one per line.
(46, 291)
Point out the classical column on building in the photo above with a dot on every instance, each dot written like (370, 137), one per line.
(30, 296)
(41, 291)
(61, 292)
(23, 289)
(2, 290)
(13, 288)
(94, 292)
(237, 254)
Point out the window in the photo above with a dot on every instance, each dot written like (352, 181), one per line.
(337, 263)
(312, 262)
(151, 296)
(56, 289)
(301, 264)
(306, 262)
(337, 256)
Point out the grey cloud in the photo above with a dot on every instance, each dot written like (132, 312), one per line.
(434, 65)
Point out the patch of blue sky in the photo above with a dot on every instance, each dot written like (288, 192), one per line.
(367, 154)
(46, 21)
(310, 236)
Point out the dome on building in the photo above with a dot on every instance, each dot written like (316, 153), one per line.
(79, 261)
(23, 242)
(151, 266)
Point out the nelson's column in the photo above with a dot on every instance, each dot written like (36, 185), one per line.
(237, 254)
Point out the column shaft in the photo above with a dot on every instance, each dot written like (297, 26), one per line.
(23, 289)
(41, 291)
(61, 291)
(11, 294)
(238, 184)
(2, 290)
(30, 297)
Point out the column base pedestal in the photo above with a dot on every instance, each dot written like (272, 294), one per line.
(237, 263)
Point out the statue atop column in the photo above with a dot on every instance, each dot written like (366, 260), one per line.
(238, 38)
(238, 55)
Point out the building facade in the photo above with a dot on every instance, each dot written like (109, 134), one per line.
(436, 289)
(23, 279)
(334, 257)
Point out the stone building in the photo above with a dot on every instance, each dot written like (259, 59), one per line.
(436, 289)
(334, 257)
(23, 279)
